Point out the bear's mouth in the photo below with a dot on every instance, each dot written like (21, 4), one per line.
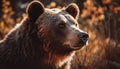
(80, 44)
(76, 45)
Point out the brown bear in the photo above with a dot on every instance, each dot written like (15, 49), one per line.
(45, 39)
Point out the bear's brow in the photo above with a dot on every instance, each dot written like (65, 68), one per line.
(68, 17)
(71, 20)
(56, 16)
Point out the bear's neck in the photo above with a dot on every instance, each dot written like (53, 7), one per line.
(58, 60)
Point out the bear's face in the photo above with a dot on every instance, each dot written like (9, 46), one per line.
(56, 27)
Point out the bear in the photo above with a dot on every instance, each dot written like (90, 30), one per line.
(45, 39)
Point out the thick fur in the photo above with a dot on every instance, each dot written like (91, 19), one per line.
(43, 40)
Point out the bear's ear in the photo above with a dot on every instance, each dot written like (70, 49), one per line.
(73, 10)
(35, 9)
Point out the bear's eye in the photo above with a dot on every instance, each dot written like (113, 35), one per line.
(62, 25)
(75, 24)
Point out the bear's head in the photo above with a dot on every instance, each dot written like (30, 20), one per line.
(57, 28)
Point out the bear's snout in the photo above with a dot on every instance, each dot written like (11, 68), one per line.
(83, 38)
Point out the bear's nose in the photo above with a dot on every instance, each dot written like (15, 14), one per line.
(83, 37)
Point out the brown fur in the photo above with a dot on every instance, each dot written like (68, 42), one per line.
(43, 40)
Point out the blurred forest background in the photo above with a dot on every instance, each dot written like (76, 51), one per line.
(100, 18)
